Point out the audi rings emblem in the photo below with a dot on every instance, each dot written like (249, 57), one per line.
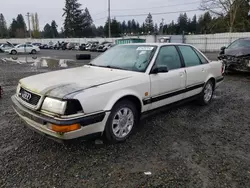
(26, 96)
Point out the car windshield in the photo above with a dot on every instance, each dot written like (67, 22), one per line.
(240, 44)
(126, 57)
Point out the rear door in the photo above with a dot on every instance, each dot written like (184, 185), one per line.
(168, 87)
(29, 48)
(196, 70)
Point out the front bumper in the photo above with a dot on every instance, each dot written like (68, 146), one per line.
(241, 64)
(90, 124)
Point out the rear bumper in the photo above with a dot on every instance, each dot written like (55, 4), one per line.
(40, 123)
(218, 81)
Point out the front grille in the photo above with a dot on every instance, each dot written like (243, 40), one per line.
(29, 97)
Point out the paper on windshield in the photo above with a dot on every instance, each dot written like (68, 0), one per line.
(143, 48)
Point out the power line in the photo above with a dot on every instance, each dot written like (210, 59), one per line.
(99, 13)
(174, 5)
(156, 13)
(100, 18)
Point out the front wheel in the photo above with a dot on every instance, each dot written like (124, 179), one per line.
(207, 93)
(13, 52)
(121, 122)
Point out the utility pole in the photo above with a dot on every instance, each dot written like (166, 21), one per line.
(109, 18)
(162, 25)
(28, 15)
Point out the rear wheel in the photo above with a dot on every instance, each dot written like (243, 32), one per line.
(14, 52)
(121, 122)
(207, 93)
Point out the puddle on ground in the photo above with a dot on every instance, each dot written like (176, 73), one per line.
(42, 62)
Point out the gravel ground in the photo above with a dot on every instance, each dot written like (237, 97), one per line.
(189, 146)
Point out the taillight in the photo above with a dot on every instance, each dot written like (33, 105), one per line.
(222, 68)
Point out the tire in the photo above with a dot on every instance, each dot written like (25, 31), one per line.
(120, 131)
(206, 94)
(83, 56)
(33, 51)
(13, 52)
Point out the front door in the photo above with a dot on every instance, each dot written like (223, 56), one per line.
(167, 87)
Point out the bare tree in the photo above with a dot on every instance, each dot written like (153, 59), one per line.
(224, 8)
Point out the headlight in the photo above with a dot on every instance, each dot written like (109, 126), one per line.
(18, 89)
(54, 105)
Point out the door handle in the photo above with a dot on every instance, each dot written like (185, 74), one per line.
(181, 74)
(203, 70)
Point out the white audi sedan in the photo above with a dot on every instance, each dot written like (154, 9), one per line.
(109, 95)
(23, 48)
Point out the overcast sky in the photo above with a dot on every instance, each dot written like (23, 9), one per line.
(52, 9)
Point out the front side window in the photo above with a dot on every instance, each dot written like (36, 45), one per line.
(168, 56)
(126, 57)
(189, 56)
(21, 46)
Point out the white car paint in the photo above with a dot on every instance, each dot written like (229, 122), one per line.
(98, 89)
(23, 48)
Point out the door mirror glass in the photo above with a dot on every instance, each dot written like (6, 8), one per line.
(223, 48)
(159, 69)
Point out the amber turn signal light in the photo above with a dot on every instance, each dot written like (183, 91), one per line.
(65, 128)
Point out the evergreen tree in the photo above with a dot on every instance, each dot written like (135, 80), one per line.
(193, 25)
(54, 29)
(3, 27)
(129, 28)
(21, 27)
(13, 28)
(124, 27)
(47, 31)
(133, 26)
(149, 24)
(156, 29)
(87, 24)
(73, 18)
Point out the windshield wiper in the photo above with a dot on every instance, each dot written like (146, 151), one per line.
(114, 67)
(107, 66)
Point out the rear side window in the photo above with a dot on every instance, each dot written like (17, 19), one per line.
(189, 56)
(203, 60)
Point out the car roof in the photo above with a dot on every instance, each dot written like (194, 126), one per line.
(157, 44)
(247, 38)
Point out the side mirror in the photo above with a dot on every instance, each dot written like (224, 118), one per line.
(159, 69)
(223, 48)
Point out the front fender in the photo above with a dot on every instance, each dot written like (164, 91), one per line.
(121, 94)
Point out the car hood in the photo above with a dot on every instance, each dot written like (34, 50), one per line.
(61, 83)
(238, 52)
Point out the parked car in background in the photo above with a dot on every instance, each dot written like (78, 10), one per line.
(90, 44)
(23, 48)
(237, 55)
(110, 94)
(37, 44)
(77, 46)
(44, 46)
(82, 47)
(93, 48)
(6, 46)
(70, 46)
(104, 47)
